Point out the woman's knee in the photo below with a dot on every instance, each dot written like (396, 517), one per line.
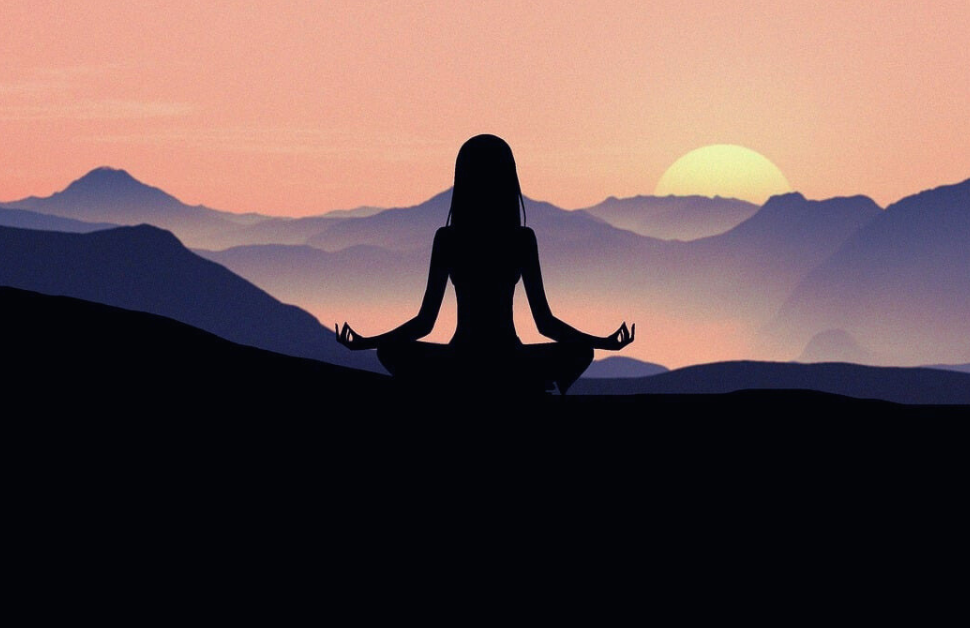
(391, 355)
(580, 354)
(414, 359)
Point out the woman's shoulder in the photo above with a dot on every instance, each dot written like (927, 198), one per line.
(444, 241)
(448, 232)
(526, 236)
(447, 239)
(444, 234)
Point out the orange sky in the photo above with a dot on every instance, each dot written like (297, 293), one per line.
(302, 107)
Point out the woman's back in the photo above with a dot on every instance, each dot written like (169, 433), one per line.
(484, 268)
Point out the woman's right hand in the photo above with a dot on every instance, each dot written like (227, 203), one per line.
(352, 340)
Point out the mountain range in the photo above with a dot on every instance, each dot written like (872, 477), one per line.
(66, 354)
(894, 384)
(674, 217)
(113, 196)
(731, 284)
(894, 280)
(900, 285)
(26, 219)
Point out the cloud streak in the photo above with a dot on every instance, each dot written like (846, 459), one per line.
(286, 141)
(58, 93)
(109, 109)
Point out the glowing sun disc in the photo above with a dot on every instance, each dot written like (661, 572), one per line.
(723, 170)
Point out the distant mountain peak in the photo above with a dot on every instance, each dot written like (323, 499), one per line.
(954, 197)
(786, 198)
(797, 199)
(109, 169)
(835, 345)
(107, 186)
(106, 175)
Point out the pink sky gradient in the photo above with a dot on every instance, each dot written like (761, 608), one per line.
(295, 108)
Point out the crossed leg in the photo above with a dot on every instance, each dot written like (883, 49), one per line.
(522, 369)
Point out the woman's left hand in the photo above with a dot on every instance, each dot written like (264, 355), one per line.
(352, 340)
(618, 339)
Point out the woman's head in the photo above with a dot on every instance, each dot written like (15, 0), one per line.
(486, 192)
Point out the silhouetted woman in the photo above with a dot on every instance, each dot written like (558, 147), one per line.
(485, 250)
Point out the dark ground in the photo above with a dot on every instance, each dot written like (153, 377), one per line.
(263, 484)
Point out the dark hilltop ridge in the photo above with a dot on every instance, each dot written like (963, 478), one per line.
(147, 269)
(621, 366)
(894, 384)
(66, 354)
(63, 353)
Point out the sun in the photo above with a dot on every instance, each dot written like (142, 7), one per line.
(723, 170)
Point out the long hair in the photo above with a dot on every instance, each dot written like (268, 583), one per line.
(487, 194)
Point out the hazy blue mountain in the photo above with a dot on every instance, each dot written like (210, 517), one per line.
(674, 217)
(113, 196)
(396, 229)
(963, 368)
(46, 222)
(413, 228)
(746, 273)
(836, 345)
(785, 239)
(621, 367)
(323, 281)
(358, 212)
(147, 269)
(898, 385)
(270, 230)
(901, 285)
(380, 263)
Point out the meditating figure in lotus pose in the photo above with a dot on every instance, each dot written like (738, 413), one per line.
(485, 250)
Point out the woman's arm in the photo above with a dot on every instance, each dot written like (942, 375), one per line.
(546, 322)
(422, 324)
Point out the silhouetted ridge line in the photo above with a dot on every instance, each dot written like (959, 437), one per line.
(104, 358)
(147, 269)
(27, 219)
(894, 384)
(115, 196)
(111, 184)
(673, 217)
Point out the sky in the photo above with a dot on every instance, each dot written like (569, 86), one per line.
(298, 108)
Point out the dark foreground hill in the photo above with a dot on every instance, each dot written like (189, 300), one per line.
(897, 385)
(141, 451)
(69, 355)
(83, 358)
